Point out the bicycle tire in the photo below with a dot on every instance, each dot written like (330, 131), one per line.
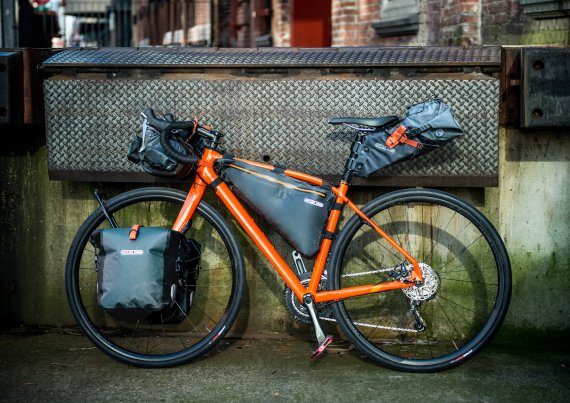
(461, 309)
(218, 292)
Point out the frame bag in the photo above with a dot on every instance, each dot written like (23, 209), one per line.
(145, 274)
(295, 209)
(427, 126)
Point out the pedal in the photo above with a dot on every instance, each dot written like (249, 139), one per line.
(321, 339)
(321, 349)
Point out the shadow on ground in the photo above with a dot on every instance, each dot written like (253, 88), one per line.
(56, 365)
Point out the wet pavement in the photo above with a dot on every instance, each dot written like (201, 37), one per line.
(57, 365)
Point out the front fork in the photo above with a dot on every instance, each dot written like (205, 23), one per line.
(203, 178)
(190, 204)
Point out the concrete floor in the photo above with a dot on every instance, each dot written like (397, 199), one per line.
(56, 365)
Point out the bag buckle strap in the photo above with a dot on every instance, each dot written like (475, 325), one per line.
(400, 137)
(134, 232)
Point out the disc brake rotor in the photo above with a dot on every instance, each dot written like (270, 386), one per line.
(429, 287)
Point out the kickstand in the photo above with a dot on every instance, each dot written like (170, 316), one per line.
(323, 340)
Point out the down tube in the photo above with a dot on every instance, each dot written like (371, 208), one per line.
(259, 238)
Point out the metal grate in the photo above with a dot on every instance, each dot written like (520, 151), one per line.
(90, 123)
(290, 57)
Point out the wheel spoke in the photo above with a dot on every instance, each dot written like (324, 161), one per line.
(463, 279)
(174, 332)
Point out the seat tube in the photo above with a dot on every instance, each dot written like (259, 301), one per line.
(350, 165)
(331, 227)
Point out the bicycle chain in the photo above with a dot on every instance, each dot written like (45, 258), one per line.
(329, 319)
(399, 329)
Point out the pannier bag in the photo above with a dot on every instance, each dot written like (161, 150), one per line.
(139, 270)
(426, 127)
(147, 152)
(297, 210)
(188, 271)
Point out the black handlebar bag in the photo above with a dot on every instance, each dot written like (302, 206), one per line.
(137, 270)
(147, 152)
(427, 126)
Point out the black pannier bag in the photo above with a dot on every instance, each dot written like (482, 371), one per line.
(426, 127)
(297, 210)
(147, 152)
(188, 271)
(139, 271)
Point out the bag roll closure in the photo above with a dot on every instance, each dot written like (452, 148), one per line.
(427, 126)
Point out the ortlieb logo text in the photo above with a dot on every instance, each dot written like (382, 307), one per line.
(381, 146)
(314, 202)
(130, 252)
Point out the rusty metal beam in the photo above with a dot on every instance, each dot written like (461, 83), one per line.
(511, 79)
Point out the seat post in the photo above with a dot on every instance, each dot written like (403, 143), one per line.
(350, 166)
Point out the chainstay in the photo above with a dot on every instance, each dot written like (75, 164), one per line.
(365, 273)
(400, 329)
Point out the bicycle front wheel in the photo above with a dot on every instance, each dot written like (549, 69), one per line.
(214, 303)
(462, 301)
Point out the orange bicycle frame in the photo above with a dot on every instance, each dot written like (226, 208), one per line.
(206, 175)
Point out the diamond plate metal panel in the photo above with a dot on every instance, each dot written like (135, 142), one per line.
(290, 57)
(90, 123)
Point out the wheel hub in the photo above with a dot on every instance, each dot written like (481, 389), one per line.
(429, 287)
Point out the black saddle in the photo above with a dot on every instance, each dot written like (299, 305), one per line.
(371, 122)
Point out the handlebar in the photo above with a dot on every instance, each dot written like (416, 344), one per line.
(162, 124)
(172, 153)
(165, 128)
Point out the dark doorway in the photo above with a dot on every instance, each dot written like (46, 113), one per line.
(311, 23)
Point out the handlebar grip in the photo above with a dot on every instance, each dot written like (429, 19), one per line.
(180, 125)
(163, 124)
(171, 152)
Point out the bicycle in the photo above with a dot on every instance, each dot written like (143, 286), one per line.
(417, 279)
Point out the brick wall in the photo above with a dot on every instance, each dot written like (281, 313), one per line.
(449, 22)
(200, 32)
(281, 22)
(501, 18)
(503, 22)
(460, 22)
(351, 22)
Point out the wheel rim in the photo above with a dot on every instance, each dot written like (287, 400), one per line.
(216, 288)
(461, 314)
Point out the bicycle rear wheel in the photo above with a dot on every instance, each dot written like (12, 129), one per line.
(466, 289)
(217, 294)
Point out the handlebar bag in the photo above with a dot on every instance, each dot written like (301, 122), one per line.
(147, 152)
(297, 210)
(427, 126)
(137, 277)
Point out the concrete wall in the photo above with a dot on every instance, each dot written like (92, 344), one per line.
(531, 209)
(534, 219)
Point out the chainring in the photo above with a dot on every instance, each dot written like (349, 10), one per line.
(298, 310)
